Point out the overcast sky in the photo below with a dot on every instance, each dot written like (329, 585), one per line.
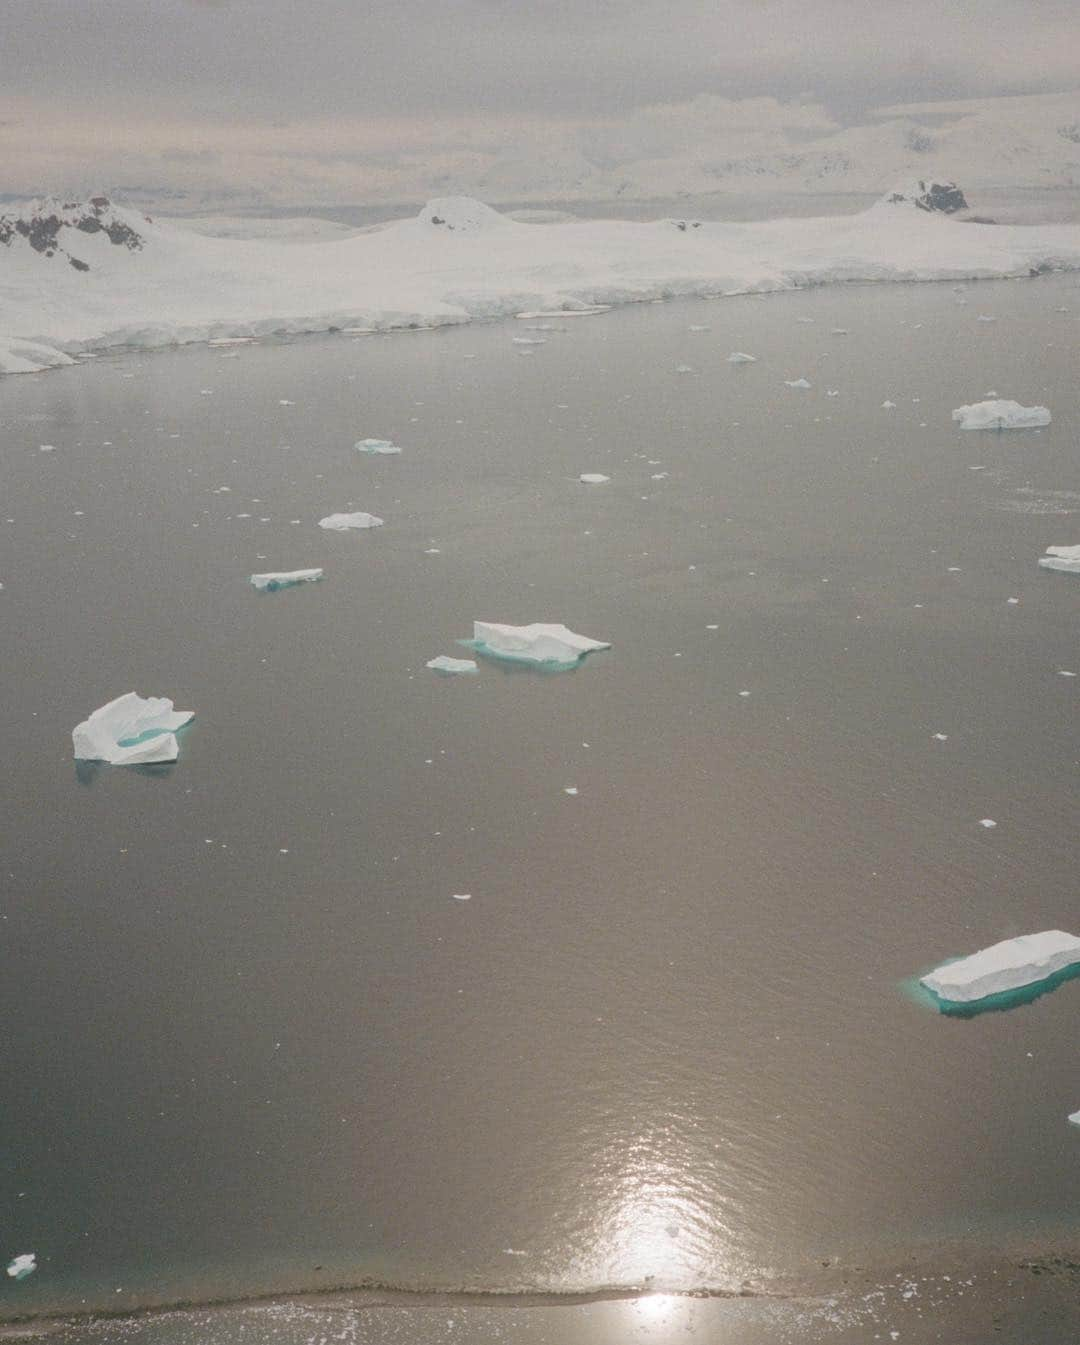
(144, 82)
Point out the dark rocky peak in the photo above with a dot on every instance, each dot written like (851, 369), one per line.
(49, 227)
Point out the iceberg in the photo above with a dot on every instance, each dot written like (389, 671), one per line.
(741, 357)
(796, 383)
(1075, 1118)
(1001, 415)
(131, 731)
(445, 664)
(593, 478)
(343, 522)
(1065, 558)
(270, 583)
(542, 642)
(375, 446)
(23, 1265)
(1013, 964)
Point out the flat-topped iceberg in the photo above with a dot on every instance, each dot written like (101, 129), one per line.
(1001, 415)
(343, 522)
(270, 583)
(445, 664)
(542, 642)
(1066, 558)
(381, 446)
(131, 731)
(1013, 964)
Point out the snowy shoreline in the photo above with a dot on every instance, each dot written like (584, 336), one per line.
(458, 261)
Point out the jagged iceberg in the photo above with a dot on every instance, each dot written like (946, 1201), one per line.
(270, 583)
(1066, 558)
(375, 446)
(23, 1265)
(445, 664)
(542, 642)
(131, 731)
(1013, 964)
(1001, 415)
(343, 522)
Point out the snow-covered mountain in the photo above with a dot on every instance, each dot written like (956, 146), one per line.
(82, 276)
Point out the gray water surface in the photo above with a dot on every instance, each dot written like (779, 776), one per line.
(253, 1043)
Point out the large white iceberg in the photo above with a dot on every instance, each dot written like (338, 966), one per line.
(23, 1265)
(1065, 558)
(285, 579)
(131, 731)
(1001, 415)
(542, 642)
(1010, 965)
(375, 446)
(343, 522)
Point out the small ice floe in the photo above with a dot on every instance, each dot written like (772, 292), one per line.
(1001, 415)
(540, 643)
(284, 401)
(1064, 558)
(131, 731)
(1013, 964)
(832, 392)
(741, 357)
(23, 1265)
(462, 896)
(444, 664)
(684, 369)
(343, 522)
(797, 383)
(529, 340)
(839, 331)
(1012, 601)
(985, 317)
(46, 448)
(1064, 672)
(270, 583)
(888, 406)
(593, 478)
(941, 737)
(988, 823)
(807, 320)
(383, 446)
(699, 329)
(582, 311)
(571, 790)
(659, 476)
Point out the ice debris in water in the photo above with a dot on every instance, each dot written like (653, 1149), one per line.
(541, 642)
(131, 731)
(888, 406)
(375, 446)
(1001, 415)
(684, 369)
(987, 822)
(462, 896)
(1075, 1118)
(342, 522)
(1065, 558)
(23, 1265)
(593, 478)
(1009, 965)
(741, 357)
(284, 579)
(796, 383)
(445, 664)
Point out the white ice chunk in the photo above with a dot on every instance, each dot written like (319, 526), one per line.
(1001, 415)
(797, 383)
(888, 406)
(1009, 965)
(23, 1265)
(445, 664)
(1066, 558)
(342, 522)
(285, 579)
(741, 357)
(1075, 1118)
(131, 731)
(542, 642)
(593, 478)
(375, 446)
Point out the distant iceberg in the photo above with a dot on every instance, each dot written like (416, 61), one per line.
(1014, 964)
(383, 446)
(1001, 415)
(343, 522)
(445, 664)
(284, 579)
(131, 731)
(593, 478)
(550, 643)
(1066, 558)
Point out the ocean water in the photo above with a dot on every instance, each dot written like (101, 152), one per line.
(253, 1044)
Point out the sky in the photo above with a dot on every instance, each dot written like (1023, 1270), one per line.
(343, 96)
